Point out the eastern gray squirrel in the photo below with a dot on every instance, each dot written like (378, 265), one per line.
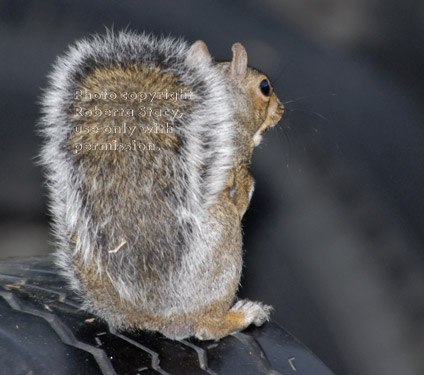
(147, 147)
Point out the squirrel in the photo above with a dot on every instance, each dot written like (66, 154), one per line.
(147, 143)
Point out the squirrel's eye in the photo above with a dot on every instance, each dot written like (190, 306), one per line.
(265, 87)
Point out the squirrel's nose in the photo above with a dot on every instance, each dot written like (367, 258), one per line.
(279, 110)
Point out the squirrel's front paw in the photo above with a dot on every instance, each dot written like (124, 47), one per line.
(255, 312)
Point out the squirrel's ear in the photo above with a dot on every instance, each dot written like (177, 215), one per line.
(198, 53)
(238, 67)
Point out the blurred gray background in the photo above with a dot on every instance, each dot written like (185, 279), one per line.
(334, 234)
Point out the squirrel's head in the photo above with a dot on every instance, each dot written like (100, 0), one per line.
(259, 103)
(255, 102)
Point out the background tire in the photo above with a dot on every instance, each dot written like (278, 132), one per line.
(43, 331)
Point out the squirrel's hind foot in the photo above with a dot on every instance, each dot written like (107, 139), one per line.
(255, 312)
(240, 316)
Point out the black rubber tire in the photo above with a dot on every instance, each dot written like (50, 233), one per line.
(43, 331)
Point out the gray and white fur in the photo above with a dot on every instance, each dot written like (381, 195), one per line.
(170, 234)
